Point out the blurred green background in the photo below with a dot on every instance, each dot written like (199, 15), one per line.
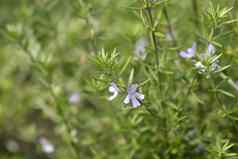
(65, 35)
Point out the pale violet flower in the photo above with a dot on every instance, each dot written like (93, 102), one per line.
(140, 49)
(210, 52)
(46, 145)
(211, 49)
(202, 64)
(133, 96)
(74, 98)
(190, 52)
(114, 90)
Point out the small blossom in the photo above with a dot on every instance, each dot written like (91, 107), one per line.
(211, 49)
(210, 52)
(133, 96)
(190, 52)
(46, 146)
(140, 49)
(114, 90)
(200, 67)
(74, 98)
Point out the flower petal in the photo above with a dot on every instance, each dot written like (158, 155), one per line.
(140, 96)
(74, 98)
(132, 89)
(190, 52)
(113, 96)
(113, 88)
(135, 103)
(211, 49)
(183, 54)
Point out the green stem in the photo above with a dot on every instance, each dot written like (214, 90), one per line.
(230, 81)
(153, 36)
(155, 42)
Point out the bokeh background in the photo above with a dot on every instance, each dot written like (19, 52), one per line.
(65, 35)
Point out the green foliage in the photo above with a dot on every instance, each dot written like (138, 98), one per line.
(59, 60)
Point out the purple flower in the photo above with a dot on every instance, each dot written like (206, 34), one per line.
(74, 98)
(113, 89)
(211, 49)
(133, 96)
(205, 56)
(190, 52)
(210, 52)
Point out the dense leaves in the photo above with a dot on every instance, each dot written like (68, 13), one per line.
(149, 79)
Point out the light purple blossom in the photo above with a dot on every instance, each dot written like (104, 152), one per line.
(211, 49)
(114, 90)
(133, 96)
(210, 52)
(74, 98)
(190, 52)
